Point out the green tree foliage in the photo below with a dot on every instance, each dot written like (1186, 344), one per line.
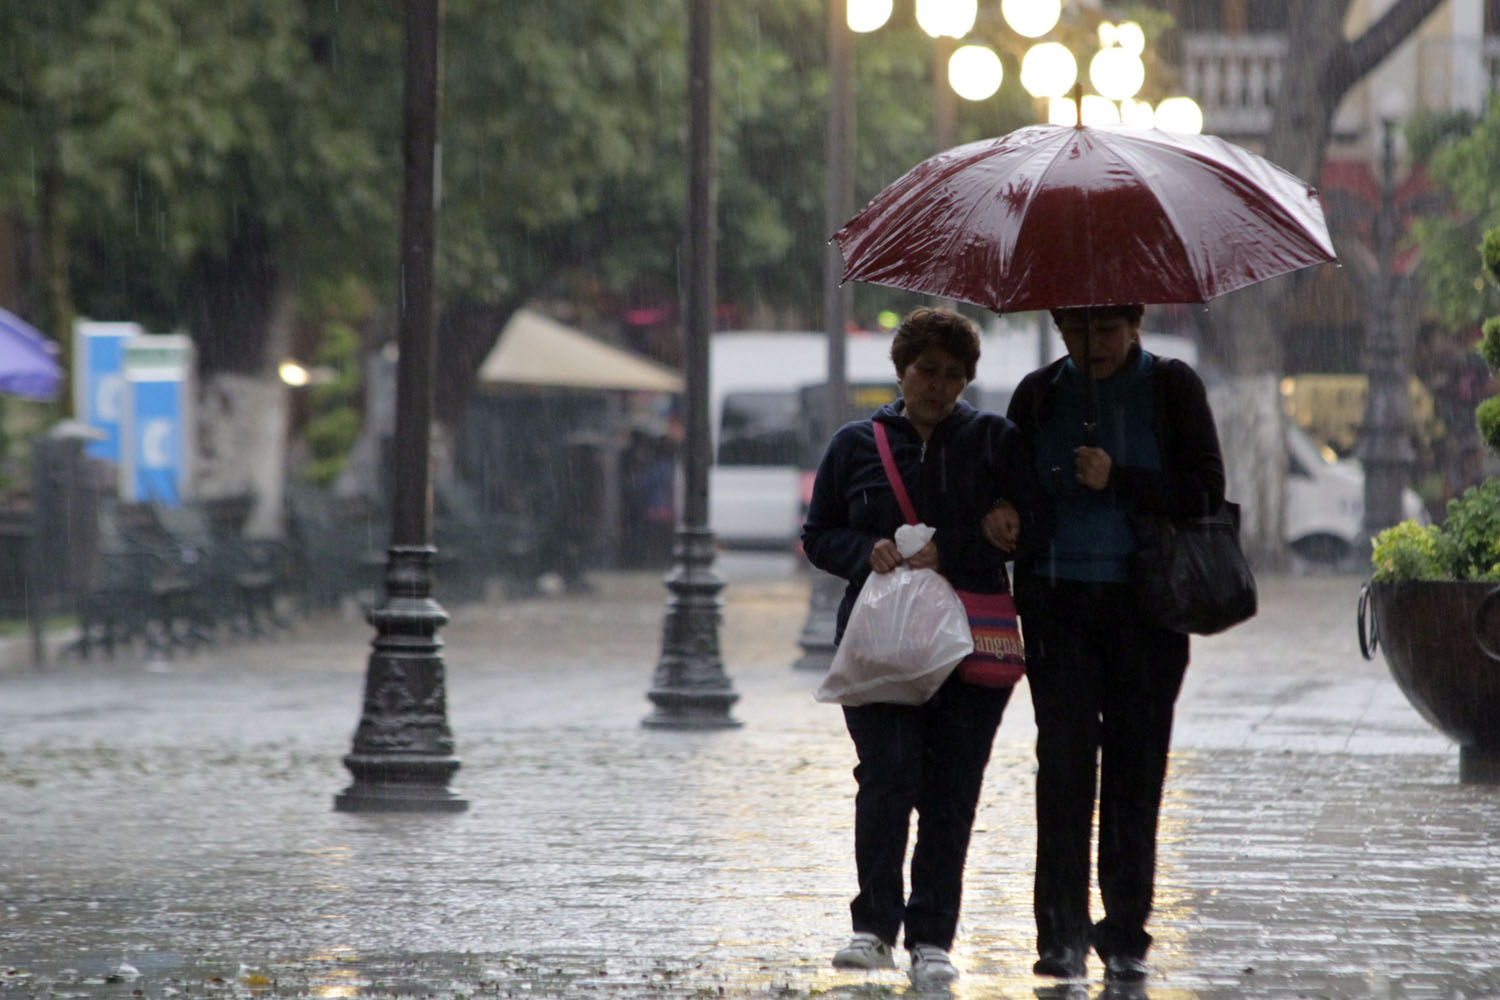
(1467, 169)
(334, 422)
(564, 159)
(212, 156)
(208, 151)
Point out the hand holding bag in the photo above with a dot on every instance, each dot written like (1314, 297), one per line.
(1189, 573)
(998, 658)
(906, 633)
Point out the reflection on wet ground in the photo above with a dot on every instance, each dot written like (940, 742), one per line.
(169, 831)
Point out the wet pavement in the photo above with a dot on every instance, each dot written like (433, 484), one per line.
(168, 827)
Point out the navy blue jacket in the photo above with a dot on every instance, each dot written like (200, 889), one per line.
(971, 460)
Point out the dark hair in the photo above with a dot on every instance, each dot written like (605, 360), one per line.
(1130, 312)
(944, 329)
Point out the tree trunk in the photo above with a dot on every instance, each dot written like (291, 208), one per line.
(242, 426)
(1320, 68)
(57, 294)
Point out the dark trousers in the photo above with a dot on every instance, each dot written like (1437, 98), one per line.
(1103, 685)
(930, 758)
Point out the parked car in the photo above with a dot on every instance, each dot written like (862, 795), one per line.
(1325, 501)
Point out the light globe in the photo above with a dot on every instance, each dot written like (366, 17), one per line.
(868, 15)
(1116, 73)
(1031, 18)
(974, 72)
(952, 18)
(1099, 110)
(1130, 37)
(1048, 70)
(1061, 111)
(1137, 114)
(1179, 114)
(293, 374)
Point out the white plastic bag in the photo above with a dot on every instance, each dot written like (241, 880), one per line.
(906, 633)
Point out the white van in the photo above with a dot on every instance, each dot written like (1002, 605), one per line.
(760, 436)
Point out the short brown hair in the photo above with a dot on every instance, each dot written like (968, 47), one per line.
(944, 329)
(1130, 312)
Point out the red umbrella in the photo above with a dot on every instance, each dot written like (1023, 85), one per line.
(1051, 216)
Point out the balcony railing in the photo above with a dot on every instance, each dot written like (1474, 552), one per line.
(1234, 79)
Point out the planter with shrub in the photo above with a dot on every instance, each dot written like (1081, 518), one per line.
(1433, 601)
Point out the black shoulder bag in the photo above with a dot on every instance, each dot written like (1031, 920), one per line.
(1189, 573)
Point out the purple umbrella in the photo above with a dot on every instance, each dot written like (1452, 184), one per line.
(28, 360)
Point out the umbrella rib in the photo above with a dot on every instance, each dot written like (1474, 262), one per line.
(1231, 174)
(1245, 177)
(997, 150)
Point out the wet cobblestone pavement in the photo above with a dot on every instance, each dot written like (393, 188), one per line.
(168, 829)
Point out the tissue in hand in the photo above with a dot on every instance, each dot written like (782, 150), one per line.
(911, 537)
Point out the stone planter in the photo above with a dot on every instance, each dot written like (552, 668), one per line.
(1442, 644)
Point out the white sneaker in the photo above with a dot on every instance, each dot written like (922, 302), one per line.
(931, 966)
(864, 951)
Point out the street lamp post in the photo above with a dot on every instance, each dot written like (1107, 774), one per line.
(945, 21)
(690, 689)
(816, 640)
(402, 759)
(1385, 449)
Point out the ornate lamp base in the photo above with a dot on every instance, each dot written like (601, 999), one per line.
(402, 758)
(690, 689)
(816, 639)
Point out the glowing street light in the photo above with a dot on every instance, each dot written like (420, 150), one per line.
(868, 15)
(1137, 114)
(1116, 73)
(947, 18)
(1130, 37)
(975, 72)
(1100, 111)
(1031, 18)
(1179, 114)
(1048, 70)
(293, 374)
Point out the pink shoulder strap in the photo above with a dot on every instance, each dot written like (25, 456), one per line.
(891, 473)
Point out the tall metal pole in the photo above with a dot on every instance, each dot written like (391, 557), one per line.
(1385, 451)
(816, 640)
(690, 689)
(944, 114)
(403, 749)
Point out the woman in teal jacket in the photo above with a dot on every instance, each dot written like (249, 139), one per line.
(1113, 430)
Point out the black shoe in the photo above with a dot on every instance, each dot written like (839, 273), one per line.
(1124, 969)
(1064, 963)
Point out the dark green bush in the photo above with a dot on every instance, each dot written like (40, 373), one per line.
(1470, 540)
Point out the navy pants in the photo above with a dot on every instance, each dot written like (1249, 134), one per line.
(1103, 685)
(930, 758)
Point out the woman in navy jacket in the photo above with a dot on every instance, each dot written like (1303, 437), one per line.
(958, 464)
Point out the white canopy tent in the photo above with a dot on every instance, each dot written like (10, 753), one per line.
(536, 350)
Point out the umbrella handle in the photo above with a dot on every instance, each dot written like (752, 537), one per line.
(1091, 392)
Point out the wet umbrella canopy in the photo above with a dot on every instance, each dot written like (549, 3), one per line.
(28, 360)
(1051, 216)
